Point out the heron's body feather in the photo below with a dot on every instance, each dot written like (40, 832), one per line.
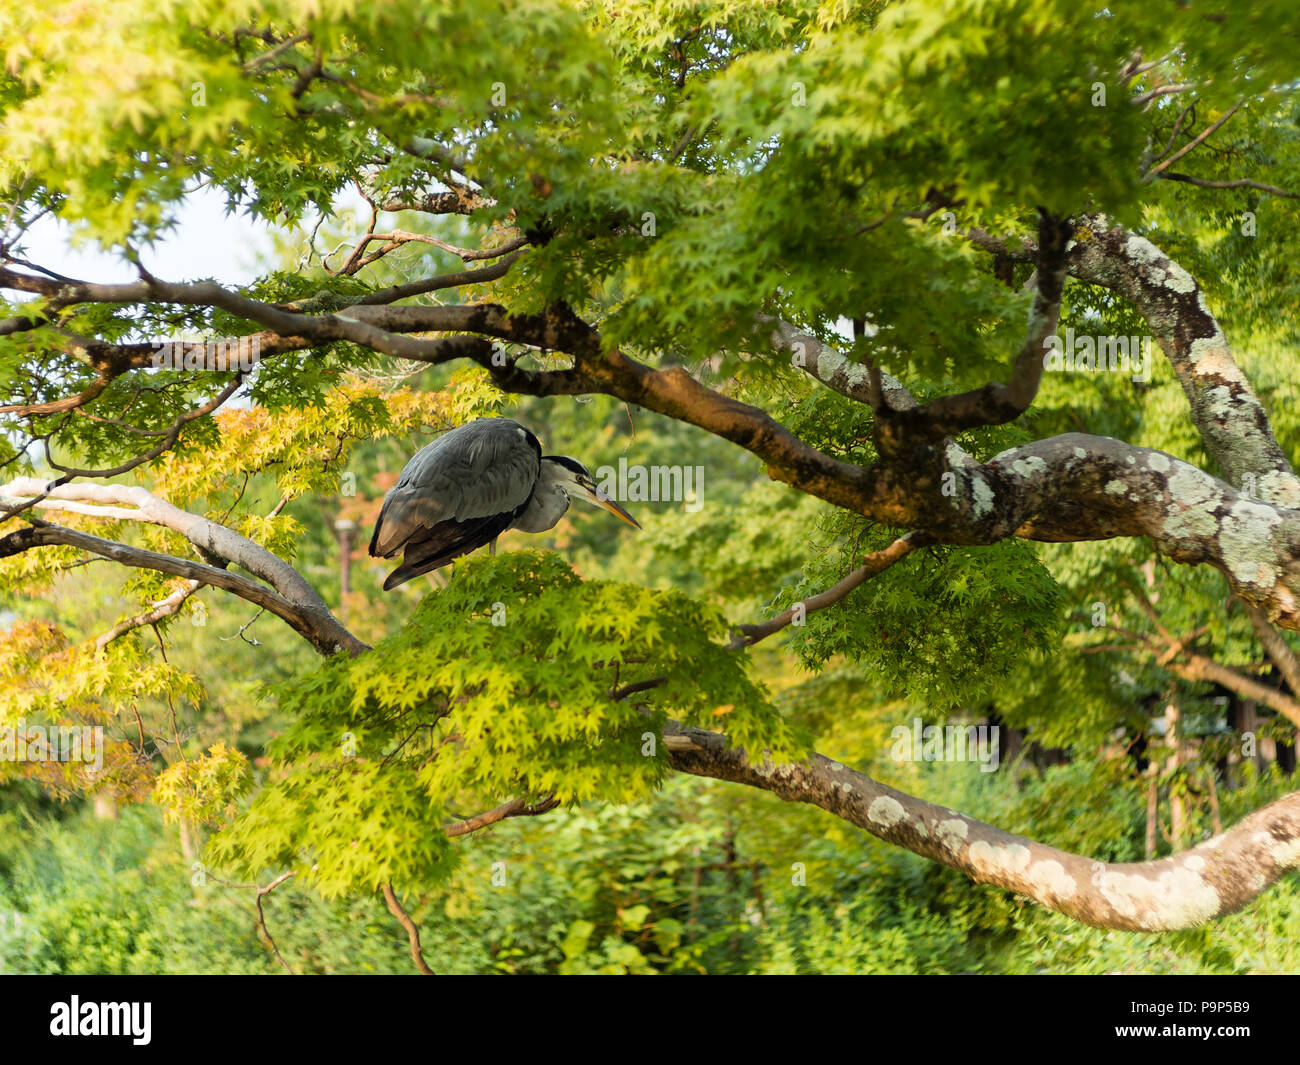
(481, 470)
(468, 487)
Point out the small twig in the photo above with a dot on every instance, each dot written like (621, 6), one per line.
(279, 49)
(412, 930)
(261, 917)
(1163, 90)
(875, 563)
(1189, 110)
(1238, 183)
(171, 436)
(244, 628)
(1199, 139)
(619, 694)
(399, 237)
(164, 608)
(513, 808)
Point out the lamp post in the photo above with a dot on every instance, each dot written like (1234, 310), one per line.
(345, 529)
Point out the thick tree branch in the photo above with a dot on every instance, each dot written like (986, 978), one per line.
(135, 503)
(1217, 877)
(994, 404)
(851, 379)
(457, 199)
(1077, 487)
(293, 598)
(1224, 407)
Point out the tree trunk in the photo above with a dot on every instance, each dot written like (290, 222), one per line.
(1177, 807)
(1153, 809)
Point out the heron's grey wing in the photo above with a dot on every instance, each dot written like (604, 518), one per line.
(484, 469)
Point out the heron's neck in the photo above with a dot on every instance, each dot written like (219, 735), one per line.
(549, 501)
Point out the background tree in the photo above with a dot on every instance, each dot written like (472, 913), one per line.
(827, 242)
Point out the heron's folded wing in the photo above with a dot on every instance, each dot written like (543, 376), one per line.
(483, 469)
(433, 548)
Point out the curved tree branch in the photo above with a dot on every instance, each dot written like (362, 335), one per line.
(1227, 413)
(412, 929)
(1214, 878)
(512, 808)
(294, 601)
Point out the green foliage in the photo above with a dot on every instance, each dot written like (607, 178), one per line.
(508, 682)
(944, 627)
(679, 167)
(206, 789)
(669, 885)
(96, 897)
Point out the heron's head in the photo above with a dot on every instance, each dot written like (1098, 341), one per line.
(574, 479)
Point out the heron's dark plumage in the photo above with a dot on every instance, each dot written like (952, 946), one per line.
(471, 485)
(432, 548)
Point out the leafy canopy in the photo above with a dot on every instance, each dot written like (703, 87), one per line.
(499, 686)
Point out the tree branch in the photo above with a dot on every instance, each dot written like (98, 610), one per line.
(873, 564)
(513, 808)
(164, 608)
(1227, 413)
(261, 916)
(412, 930)
(313, 622)
(1217, 877)
(1200, 138)
(994, 404)
(1277, 649)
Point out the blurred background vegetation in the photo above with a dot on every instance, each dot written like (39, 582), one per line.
(1106, 748)
(706, 877)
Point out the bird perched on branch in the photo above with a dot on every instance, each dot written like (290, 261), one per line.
(471, 485)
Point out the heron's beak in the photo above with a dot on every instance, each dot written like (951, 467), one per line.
(597, 497)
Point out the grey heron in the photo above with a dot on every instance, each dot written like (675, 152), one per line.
(471, 485)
